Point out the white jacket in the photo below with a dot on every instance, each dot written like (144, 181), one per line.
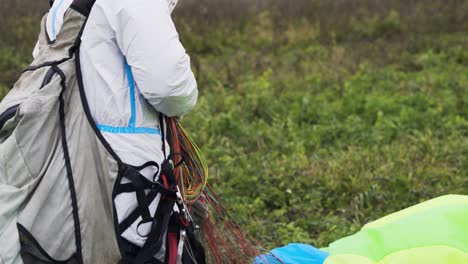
(133, 67)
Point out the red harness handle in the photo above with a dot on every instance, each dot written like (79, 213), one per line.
(172, 249)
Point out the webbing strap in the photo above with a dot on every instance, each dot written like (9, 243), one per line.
(163, 224)
(155, 189)
(148, 164)
(139, 186)
(133, 216)
(165, 209)
(148, 185)
(160, 225)
(83, 6)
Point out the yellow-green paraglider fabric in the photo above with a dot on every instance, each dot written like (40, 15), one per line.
(432, 232)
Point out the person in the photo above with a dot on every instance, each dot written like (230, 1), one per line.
(133, 67)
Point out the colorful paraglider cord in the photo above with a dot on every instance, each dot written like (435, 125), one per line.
(221, 235)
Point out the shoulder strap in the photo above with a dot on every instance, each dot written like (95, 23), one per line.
(83, 6)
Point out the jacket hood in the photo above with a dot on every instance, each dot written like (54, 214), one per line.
(172, 4)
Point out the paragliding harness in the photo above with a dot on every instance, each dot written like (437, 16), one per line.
(170, 229)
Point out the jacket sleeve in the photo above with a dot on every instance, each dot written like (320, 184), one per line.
(150, 43)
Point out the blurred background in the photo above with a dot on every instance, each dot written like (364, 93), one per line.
(316, 116)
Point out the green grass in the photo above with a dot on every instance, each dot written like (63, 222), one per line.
(313, 128)
(309, 139)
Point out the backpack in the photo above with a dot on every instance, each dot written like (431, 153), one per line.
(59, 176)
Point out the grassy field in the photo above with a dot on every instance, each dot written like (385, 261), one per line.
(316, 117)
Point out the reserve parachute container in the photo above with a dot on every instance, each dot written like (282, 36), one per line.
(59, 177)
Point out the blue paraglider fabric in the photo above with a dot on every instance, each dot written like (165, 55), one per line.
(293, 254)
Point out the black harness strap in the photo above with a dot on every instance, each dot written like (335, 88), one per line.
(148, 164)
(165, 210)
(156, 187)
(139, 186)
(165, 219)
(125, 224)
(130, 187)
(83, 6)
(156, 238)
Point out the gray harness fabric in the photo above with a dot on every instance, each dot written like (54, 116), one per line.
(57, 176)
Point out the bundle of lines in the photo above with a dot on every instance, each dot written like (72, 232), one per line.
(222, 237)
